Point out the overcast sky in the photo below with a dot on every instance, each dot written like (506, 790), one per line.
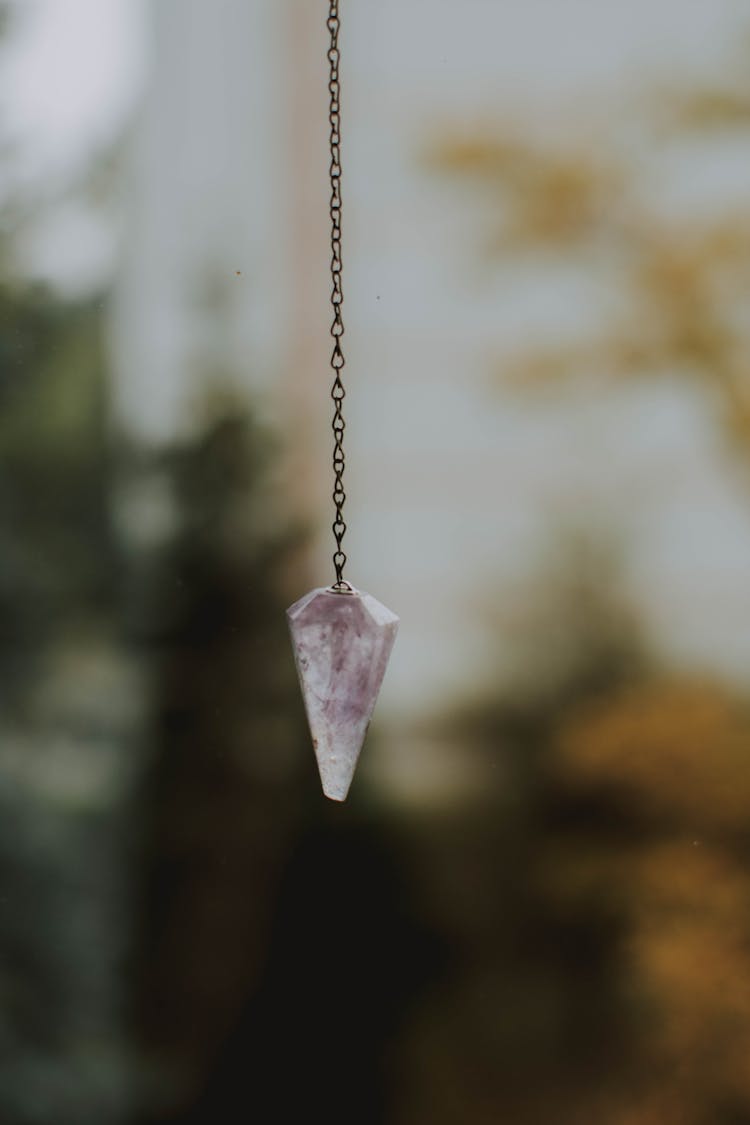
(72, 72)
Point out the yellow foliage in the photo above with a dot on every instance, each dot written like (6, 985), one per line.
(682, 283)
(675, 757)
(680, 751)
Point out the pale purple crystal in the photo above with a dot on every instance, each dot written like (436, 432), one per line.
(342, 642)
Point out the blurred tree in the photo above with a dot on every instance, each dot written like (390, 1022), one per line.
(677, 278)
(276, 951)
(596, 892)
(225, 732)
(595, 898)
(59, 555)
(63, 723)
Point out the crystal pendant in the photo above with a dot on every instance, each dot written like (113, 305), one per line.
(342, 641)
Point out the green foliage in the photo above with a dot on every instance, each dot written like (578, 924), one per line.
(59, 557)
(227, 740)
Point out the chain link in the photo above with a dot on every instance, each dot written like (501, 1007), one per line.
(338, 392)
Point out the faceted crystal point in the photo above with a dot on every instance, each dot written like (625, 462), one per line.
(341, 642)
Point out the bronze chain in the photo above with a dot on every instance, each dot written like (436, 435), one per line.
(338, 392)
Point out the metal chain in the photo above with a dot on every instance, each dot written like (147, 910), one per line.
(338, 392)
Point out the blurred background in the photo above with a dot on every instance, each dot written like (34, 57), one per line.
(535, 905)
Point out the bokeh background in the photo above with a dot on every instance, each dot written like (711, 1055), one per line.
(535, 906)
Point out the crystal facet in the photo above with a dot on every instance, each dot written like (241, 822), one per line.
(341, 642)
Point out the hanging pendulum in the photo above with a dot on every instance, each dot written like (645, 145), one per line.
(342, 637)
(342, 640)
